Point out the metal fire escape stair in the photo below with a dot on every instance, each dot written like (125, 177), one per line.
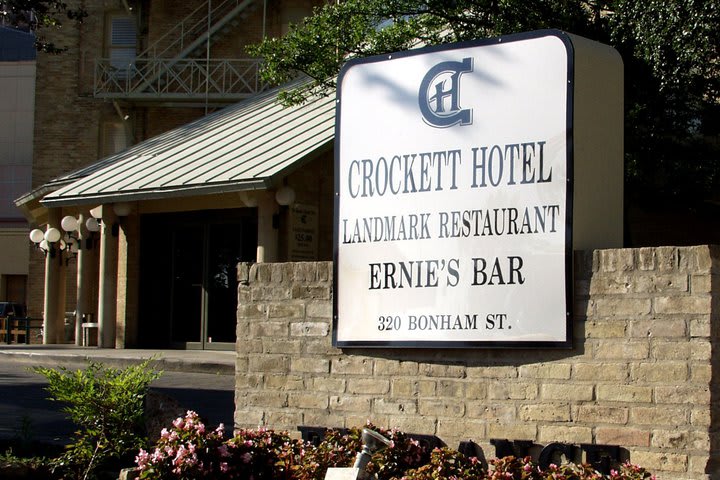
(175, 68)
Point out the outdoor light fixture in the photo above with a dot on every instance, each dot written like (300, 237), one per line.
(92, 224)
(67, 239)
(51, 243)
(285, 196)
(122, 209)
(372, 442)
(249, 199)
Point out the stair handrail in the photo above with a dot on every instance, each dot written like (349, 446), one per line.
(182, 30)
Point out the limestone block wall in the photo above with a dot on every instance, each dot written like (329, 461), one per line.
(642, 373)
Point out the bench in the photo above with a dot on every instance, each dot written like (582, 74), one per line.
(12, 329)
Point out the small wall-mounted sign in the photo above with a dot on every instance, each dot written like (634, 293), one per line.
(303, 241)
(454, 195)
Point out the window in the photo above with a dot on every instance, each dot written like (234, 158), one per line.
(122, 43)
(113, 139)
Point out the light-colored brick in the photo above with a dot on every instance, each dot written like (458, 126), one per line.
(695, 304)
(555, 371)
(310, 365)
(671, 327)
(635, 350)
(696, 395)
(347, 403)
(281, 345)
(626, 436)
(450, 388)
(269, 363)
(545, 412)
(351, 366)
(329, 384)
(309, 329)
(269, 329)
(700, 327)
(601, 372)
(440, 370)
(512, 431)
(622, 306)
(476, 390)
(681, 440)
(566, 391)
(513, 391)
(624, 393)
(500, 371)
(600, 414)
(395, 367)
(492, 412)
(465, 429)
(286, 310)
(567, 434)
(319, 310)
(605, 329)
(662, 461)
(414, 424)
(368, 386)
(660, 372)
(441, 407)
(308, 400)
(284, 382)
(659, 415)
(391, 406)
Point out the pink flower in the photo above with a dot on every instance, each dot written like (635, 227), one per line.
(224, 467)
(246, 457)
(178, 423)
(165, 434)
(142, 458)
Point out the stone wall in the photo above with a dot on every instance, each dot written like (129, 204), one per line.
(640, 374)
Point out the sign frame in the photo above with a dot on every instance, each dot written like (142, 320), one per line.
(567, 342)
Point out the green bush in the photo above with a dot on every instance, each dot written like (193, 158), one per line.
(107, 404)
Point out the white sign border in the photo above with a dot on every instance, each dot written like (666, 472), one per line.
(489, 344)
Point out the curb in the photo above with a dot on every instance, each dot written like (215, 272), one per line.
(80, 361)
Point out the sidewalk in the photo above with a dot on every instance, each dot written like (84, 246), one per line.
(71, 356)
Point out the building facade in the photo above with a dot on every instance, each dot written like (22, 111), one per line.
(17, 82)
(143, 86)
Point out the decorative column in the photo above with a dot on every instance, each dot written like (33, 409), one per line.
(267, 249)
(86, 276)
(54, 303)
(126, 331)
(107, 293)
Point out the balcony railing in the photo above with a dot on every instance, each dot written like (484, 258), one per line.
(173, 79)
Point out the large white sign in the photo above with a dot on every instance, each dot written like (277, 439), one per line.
(453, 196)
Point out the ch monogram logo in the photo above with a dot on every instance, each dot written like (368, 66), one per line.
(439, 102)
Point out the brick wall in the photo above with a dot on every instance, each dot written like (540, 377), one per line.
(640, 374)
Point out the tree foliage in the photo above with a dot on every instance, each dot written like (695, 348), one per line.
(39, 15)
(670, 48)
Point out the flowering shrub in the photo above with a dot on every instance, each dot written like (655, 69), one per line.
(403, 453)
(448, 463)
(190, 451)
(262, 454)
(187, 451)
(337, 449)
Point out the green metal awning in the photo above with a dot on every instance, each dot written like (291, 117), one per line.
(246, 146)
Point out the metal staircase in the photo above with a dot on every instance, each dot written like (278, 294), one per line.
(175, 68)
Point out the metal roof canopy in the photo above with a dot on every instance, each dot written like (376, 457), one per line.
(247, 146)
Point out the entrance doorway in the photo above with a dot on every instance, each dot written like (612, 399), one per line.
(193, 298)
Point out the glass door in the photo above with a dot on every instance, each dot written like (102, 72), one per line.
(188, 283)
(187, 294)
